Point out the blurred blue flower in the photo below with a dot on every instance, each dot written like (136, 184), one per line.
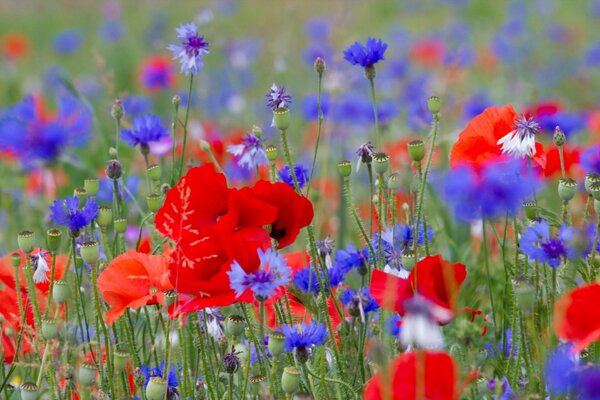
(314, 50)
(537, 243)
(158, 372)
(559, 371)
(393, 325)
(310, 109)
(191, 50)
(570, 123)
(317, 28)
(272, 274)
(590, 160)
(250, 154)
(366, 55)
(592, 56)
(360, 299)
(105, 193)
(475, 105)
(112, 30)
(67, 42)
(136, 104)
(350, 258)
(302, 175)
(304, 335)
(146, 129)
(68, 214)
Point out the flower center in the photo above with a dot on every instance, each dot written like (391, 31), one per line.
(194, 44)
(153, 290)
(553, 248)
(262, 276)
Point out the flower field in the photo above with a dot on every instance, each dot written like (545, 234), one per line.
(300, 200)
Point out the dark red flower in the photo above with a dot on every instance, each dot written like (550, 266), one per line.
(429, 375)
(577, 316)
(478, 145)
(294, 212)
(436, 279)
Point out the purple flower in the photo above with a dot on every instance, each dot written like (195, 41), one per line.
(67, 42)
(303, 336)
(146, 129)
(537, 243)
(191, 50)
(277, 98)
(366, 55)
(250, 153)
(359, 300)
(590, 160)
(302, 175)
(499, 189)
(273, 274)
(68, 214)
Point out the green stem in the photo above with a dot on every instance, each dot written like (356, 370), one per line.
(357, 220)
(31, 292)
(319, 127)
(185, 127)
(562, 161)
(379, 220)
(486, 262)
(375, 113)
(100, 320)
(51, 289)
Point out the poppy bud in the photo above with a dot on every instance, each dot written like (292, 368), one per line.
(319, 65)
(120, 359)
(154, 172)
(271, 152)
(434, 104)
(29, 391)
(290, 379)
(567, 188)
(234, 325)
(16, 259)
(381, 162)
(117, 110)
(105, 216)
(81, 195)
(26, 241)
(395, 181)
(589, 180)
(139, 379)
(275, 345)
(281, 117)
(171, 297)
(53, 239)
(156, 389)
(416, 150)
(120, 225)
(408, 260)
(114, 170)
(90, 252)
(91, 186)
(176, 101)
(345, 168)
(370, 72)
(257, 131)
(61, 292)
(154, 202)
(49, 328)
(530, 210)
(559, 137)
(87, 374)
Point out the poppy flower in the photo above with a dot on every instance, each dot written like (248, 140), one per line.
(478, 144)
(156, 73)
(15, 45)
(577, 316)
(294, 212)
(133, 280)
(418, 375)
(571, 156)
(434, 278)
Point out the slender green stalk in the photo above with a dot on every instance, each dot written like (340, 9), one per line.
(379, 221)
(174, 139)
(31, 292)
(486, 261)
(100, 321)
(185, 128)
(319, 127)
(375, 112)
(562, 161)
(357, 220)
(51, 289)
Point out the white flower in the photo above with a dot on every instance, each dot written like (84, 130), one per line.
(520, 142)
(420, 325)
(41, 269)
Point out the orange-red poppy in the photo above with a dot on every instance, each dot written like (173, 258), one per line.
(577, 316)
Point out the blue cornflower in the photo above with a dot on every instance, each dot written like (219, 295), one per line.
(498, 190)
(191, 50)
(250, 152)
(393, 325)
(302, 175)
(350, 258)
(310, 109)
(366, 55)
(67, 42)
(506, 391)
(68, 214)
(537, 243)
(559, 372)
(273, 274)
(499, 351)
(590, 160)
(146, 129)
(158, 372)
(106, 192)
(359, 302)
(263, 350)
(136, 105)
(303, 336)
(307, 281)
(277, 98)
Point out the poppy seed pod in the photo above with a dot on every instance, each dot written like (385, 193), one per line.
(171, 297)
(154, 202)
(91, 186)
(595, 190)
(87, 374)
(156, 389)
(29, 391)
(90, 252)
(49, 328)
(81, 195)
(276, 340)
(234, 325)
(290, 379)
(567, 188)
(345, 168)
(416, 150)
(120, 225)
(271, 152)
(120, 359)
(281, 117)
(16, 259)
(61, 292)
(530, 210)
(105, 216)
(434, 104)
(154, 172)
(395, 181)
(26, 241)
(53, 239)
(408, 260)
(381, 162)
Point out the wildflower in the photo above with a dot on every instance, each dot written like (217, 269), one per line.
(496, 190)
(537, 243)
(15, 45)
(278, 99)
(68, 214)
(325, 248)
(250, 153)
(590, 160)
(366, 55)
(302, 337)
(156, 74)
(420, 324)
(302, 175)
(506, 392)
(191, 50)
(133, 280)
(215, 322)
(40, 265)
(67, 42)
(521, 141)
(577, 316)
(146, 129)
(359, 302)
(479, 142)
(231, 361)
(272, 274)
(365, 154)
(439, 379)
(158, 372)
(350, 258)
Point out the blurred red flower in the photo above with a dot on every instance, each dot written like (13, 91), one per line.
(15, 45)
(577, 316)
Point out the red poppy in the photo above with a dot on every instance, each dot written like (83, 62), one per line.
(428, 52)
(133, 280)
(577, 316)
(430, 375)
(478, 145)
(157, 73)
(294, 212)
(571, 159)
(436, 279)
(15, 45)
